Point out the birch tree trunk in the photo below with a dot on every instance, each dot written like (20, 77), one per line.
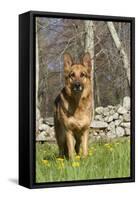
(37, 82)
(89, 47)
(120, 49)
(97, 91)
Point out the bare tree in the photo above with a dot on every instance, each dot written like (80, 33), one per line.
(89, 47)
(120, 48)
(37, 81)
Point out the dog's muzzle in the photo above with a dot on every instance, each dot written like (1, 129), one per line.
(77, 87)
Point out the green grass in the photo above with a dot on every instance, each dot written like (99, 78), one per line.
(105, 160)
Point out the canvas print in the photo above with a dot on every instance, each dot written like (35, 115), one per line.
(83, 99)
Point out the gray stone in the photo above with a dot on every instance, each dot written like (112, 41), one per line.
(125, 124)
(122, 110)
(117, 122)
(126, 117)
(98, 125)
(99, 118)
(41, 120)
(51, 131)
(99, 110)
(112, 112)
(41, 136)
(111, 127)
(49, 121)
(51, 139)
(117, 107)
(120, 131)
(121, 117)
(106, 111)
(106, 119)
(127, 131)
(95, 133)
(43, 127)
(110, 118)
(111, 107)
(110, 135)
(126, 103)
(115, 116)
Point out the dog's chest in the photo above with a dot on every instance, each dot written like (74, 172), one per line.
(78, 121)
(76, 116)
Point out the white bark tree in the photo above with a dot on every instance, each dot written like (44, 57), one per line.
(120, 48)
(37, 81)
(89, 47)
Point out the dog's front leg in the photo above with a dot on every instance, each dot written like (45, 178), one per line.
(85, 143)
(70, 144)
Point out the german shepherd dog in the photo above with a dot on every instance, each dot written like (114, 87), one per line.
(73, 108)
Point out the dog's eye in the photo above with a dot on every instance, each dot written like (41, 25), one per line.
(72, 75)
(82, 74)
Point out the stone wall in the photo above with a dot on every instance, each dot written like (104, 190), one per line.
(109, 122)
(113, 120)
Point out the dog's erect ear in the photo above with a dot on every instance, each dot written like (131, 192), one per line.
(67, 61)
(87, 61)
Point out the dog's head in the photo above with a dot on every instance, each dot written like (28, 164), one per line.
(77, 76)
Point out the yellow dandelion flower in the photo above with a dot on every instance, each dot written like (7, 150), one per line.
(107, 145)
(90, 153)
(77, 157)
(60, 159)
(46, 163)
(75, 164)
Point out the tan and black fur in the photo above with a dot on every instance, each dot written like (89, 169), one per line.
(73, 107)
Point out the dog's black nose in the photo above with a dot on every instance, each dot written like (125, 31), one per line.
(77, 87)
(77, 84)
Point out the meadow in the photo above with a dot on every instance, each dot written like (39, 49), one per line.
(105, 160)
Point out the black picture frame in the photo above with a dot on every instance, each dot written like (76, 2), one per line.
(27, 99)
